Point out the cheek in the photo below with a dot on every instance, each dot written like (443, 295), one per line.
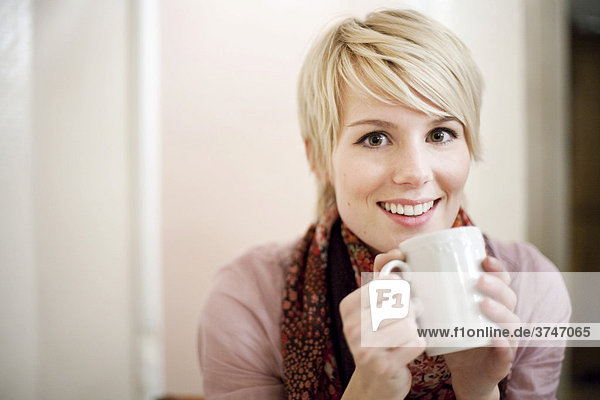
(453, 175)
(355, 178)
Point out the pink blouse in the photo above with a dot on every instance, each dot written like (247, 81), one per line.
(239, 334)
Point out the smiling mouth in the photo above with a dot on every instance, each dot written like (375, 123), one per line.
(409, 210)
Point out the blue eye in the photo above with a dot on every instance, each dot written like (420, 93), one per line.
(441, 135)
(374, 139)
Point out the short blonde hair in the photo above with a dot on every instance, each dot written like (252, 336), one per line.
(396, 56)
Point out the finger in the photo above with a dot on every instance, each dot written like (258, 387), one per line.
(352, 307)
(352, 302)
(496, 268)
(509, 344)
(384, 258)
(397, 340)
(409, 351)
(494, 287)
(404, 326)
(504, 350)
(364, 355)
(391, 332)
(381, 365)
(498, 312)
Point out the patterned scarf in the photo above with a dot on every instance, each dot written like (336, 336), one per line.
(309, 362)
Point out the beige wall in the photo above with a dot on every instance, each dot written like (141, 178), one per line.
(548, 129)
(18, 307)
(67, 291)
(234, 170)
(83, 194)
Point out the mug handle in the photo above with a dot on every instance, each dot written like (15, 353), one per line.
(401, 265)
(406, 275)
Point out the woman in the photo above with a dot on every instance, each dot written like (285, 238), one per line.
(389, 113)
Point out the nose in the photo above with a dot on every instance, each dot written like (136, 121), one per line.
(412, 166)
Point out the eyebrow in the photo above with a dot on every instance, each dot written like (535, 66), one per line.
(376, 122)
(445, 119)
(390, 125)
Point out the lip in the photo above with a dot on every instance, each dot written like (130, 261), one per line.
(410, 221)
(408, 202)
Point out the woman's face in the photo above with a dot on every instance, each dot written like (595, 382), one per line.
(397, 172)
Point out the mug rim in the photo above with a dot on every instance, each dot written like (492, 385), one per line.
(436, 236)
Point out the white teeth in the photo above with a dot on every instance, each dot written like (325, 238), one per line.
(415, 210)
(426, 206)
(418, 209)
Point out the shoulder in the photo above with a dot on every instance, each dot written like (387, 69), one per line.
(521, 256)
(262, 267)
(239, 333)
(249, 287)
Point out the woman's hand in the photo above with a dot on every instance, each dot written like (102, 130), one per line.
(477, 372)
(381, 372)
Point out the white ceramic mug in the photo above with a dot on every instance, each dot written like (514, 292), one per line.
(443, 268)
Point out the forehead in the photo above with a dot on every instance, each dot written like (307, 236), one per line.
(357, 105)
(392, 93)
